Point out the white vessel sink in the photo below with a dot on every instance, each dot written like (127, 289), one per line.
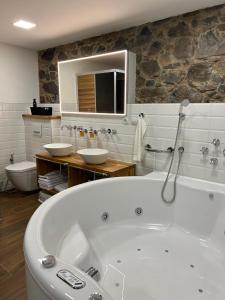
(59, 149)
(93, 156)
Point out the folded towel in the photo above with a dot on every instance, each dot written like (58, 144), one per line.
(138, 140)
(51, 175)
(49, 180)
(61, 187)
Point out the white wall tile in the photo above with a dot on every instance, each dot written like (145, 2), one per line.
(203, 122)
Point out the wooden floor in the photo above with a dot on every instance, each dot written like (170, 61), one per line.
(16, 209)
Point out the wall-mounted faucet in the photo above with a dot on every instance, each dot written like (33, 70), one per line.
(216, 142)
(108, 131)
(111, 131)
(205, 150)
(68, 127)
(103, 131)
(79, 128)
(213, 161)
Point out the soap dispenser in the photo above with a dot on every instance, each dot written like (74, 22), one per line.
(34, 103)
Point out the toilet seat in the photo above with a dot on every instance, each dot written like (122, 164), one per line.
(21, 167)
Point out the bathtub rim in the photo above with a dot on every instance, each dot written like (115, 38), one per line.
(33, 250)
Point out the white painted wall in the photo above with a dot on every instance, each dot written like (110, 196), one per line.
(18, 86)
(18, 74)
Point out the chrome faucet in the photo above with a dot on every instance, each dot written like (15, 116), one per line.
(213, 161)
(216, 142)
(205, 150)
(69, 127)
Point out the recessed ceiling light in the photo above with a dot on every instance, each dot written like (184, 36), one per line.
(24, 24)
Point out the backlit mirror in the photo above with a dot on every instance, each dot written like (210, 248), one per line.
(97, 84)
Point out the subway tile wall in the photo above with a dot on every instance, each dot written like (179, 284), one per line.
(16, 135)
(35, 142)
(203, 123)
(12, 135)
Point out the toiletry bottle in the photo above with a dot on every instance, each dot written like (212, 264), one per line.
(81, 133)
(34, 103)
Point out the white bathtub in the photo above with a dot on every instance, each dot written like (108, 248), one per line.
(167, 252)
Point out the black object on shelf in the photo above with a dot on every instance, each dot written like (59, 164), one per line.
(34, 103)
(42, 111)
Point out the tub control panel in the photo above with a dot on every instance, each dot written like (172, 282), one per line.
(71, 279)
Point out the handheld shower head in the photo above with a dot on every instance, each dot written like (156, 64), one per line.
(184, 103)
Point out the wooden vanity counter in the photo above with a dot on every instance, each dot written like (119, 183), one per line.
(110, 167)
(79, 171)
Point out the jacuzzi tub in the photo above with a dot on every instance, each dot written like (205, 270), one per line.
(143, 248)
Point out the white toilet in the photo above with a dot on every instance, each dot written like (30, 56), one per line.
(23, 175)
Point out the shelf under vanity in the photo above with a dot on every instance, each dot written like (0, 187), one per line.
(80, 172)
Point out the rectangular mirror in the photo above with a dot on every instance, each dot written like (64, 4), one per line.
(97, 84)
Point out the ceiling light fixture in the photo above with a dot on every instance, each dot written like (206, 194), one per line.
(24, 24)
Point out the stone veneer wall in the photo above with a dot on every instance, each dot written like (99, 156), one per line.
(180, 57)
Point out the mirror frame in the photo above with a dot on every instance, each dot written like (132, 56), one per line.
(125, 85)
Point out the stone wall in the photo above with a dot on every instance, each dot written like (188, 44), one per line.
(180, 57)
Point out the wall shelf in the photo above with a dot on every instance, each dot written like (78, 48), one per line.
(41, 117)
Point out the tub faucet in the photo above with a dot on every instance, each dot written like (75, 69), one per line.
(213, 161)
(205, 150)
(216, 142)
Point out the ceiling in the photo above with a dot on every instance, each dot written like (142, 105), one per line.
(63, 21)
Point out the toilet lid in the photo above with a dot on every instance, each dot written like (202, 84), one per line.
(21, 166)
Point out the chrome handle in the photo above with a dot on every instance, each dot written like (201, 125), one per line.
(214, 161)
(204, 150)
(102, 131)
(150, 149)
(181, 150)
(107, 131)
(216, 142)
(114, 131)
(48, 261)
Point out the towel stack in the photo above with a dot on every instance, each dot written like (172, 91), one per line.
(43, 196)
(50, 180)
(61, 187)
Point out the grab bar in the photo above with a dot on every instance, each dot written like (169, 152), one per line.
(150, 149)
